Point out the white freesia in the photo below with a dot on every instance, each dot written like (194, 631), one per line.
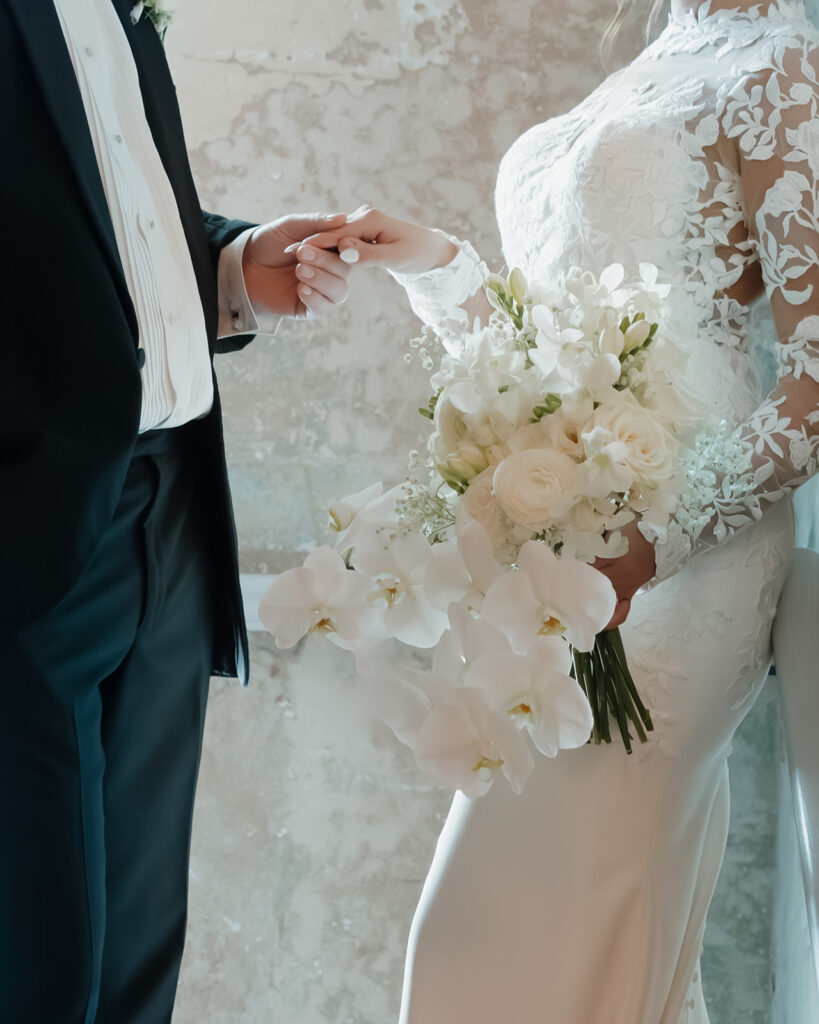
(605, 469)
(322, 596)
(549, 596)
(396, 565)
(537, 693)
(536, 487)
(488, 362)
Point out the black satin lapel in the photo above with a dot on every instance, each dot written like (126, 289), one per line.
(43, 38)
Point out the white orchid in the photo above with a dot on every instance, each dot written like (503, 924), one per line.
(464, 744)
(396, 565)
(466, 640)
(321, 597)
(537, 693)
(548, 595)
(462, 571)
(342, 513)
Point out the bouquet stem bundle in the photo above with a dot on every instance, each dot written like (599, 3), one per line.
(604, 675)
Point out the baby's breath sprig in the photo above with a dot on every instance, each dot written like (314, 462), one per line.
(425, 511)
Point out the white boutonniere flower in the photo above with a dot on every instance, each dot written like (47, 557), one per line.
(160, 12)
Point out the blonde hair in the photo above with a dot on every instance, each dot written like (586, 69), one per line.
(615, 25)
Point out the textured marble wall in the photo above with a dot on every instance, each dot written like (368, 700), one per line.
(313, 832)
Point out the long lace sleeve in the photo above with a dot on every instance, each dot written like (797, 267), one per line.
(732, 477)
(444, 298)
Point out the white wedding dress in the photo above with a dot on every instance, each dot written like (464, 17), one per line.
(583, 901)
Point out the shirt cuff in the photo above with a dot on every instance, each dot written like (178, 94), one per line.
(237, 314)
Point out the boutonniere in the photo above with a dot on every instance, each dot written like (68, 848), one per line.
(160, 12)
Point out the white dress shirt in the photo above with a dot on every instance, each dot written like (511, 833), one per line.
(176, 372)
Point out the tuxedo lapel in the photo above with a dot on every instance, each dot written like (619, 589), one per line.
(43, 38)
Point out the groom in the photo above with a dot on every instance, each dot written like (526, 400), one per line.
(119, 587)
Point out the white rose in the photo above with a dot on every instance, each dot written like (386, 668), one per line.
(563, 430)
(478, 504)
(648, 446)
(536, 488)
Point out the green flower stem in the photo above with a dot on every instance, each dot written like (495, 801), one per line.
(606, 680)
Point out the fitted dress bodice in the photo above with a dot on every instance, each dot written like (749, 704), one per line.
(647, 168)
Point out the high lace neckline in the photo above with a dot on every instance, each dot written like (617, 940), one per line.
(723, 27)
(707, 15)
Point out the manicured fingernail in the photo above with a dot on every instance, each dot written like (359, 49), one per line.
(307, 272)
(293, 247)
(306, 253)
(350, 255)
(334, 216)
(304, 290)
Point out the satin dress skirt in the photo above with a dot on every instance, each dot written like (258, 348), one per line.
(583, 900)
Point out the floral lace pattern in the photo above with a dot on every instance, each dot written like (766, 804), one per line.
(702, 156)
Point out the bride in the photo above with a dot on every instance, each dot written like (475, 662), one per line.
(583, 901)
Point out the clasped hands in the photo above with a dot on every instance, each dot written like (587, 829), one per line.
(299, 266)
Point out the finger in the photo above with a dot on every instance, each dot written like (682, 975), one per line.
(333, 288)
(365, 228)
(329, 261)
(356, 252)
(621, 610)
(314, 303)
(320, 240)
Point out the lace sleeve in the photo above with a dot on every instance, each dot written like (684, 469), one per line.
(441, 297)
(732, 477)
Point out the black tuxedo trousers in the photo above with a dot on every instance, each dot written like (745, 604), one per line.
(102, 705)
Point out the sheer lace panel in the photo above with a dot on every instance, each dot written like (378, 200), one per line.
(772, 116)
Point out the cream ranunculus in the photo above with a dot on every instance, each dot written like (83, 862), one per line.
(649, 453)
(536, 488)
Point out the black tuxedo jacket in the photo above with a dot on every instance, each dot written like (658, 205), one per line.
(70, 389)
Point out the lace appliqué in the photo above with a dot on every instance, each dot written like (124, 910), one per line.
(772, 114)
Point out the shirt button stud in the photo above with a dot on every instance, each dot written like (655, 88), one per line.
(89, 52)
(141, 358)
(152, 224)
(118, 138)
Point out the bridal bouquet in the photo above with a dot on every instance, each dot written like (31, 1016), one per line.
(553, 427)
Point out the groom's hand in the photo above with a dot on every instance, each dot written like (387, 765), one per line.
(271, 276)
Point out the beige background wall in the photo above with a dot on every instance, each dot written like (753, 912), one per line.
(313, 832)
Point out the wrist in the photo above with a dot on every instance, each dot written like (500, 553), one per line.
(445, 251)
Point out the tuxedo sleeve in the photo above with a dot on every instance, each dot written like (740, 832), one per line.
(238, 322)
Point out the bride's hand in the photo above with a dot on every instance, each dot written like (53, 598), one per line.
(629, 572)
(372, 237)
